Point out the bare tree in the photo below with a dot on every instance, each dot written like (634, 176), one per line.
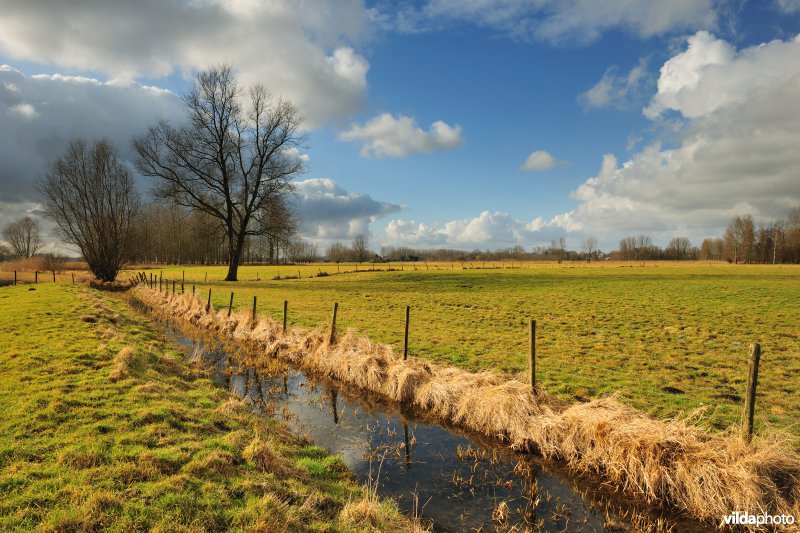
(590, 245)
(23, 236)
(679, 248)
(228, 161)
(740, 238)
(360, 246)
(91, 197)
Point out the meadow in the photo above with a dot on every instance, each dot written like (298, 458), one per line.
(668, 339)
(106, 426)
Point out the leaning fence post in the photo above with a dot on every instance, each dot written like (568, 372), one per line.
(405, 341)
(230, 305)
(532, 360)
(750, 398)
(208, 305)
(285, 308)
(333, 323)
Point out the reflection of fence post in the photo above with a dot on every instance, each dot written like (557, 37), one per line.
(333, 323)
(230, 305)
(285, 308)
(750, 398)
(405, 341)
(532, 360)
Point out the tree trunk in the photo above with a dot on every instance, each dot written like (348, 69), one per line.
(237, 247)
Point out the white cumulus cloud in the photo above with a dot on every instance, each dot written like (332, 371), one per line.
(541, 160)
(390, 136)
(301, 50)
(329, 213)
(737, 152)
(487, 230)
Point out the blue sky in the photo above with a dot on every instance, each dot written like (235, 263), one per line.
(649, 117)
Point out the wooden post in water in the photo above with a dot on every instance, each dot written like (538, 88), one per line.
(333, 323)
(254, 310)
(405, 341)
(750, 397)
(208, 305)
(532, 360)
(230, 305)
(285, 308)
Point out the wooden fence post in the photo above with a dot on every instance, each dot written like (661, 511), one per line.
(206, 278)
(750, 398)
(208, 305)
(173, 287)
(37, 276)
(254, 310)
(15, 277)
(54, 276)
(405, 341)
(285, 309)
(230, 305)
(333, 323)
(192, 289)
(73, 277)
(532, 360)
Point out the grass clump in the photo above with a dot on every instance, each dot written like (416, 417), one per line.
(106, 426)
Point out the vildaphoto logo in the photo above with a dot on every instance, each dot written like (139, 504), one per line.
(747, 519)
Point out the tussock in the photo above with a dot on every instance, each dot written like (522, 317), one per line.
(121, 364)
(667, 462)
(260, 454)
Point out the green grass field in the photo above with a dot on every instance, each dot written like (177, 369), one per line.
(106, 427)
(666, 338)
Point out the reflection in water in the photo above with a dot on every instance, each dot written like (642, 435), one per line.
(459, 482)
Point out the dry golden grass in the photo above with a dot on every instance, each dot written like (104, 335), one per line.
(669, 462)
(121, 363)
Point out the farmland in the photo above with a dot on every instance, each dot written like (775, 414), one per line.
(666, 338)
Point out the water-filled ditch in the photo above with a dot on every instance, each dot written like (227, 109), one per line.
(457, 480)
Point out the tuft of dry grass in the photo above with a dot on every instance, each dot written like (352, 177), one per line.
(121, 364)
(260, 454)
(671, 462)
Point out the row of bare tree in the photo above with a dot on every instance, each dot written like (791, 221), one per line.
(744, 242)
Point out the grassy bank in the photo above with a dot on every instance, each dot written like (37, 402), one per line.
(666, 338)
(105, 426)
